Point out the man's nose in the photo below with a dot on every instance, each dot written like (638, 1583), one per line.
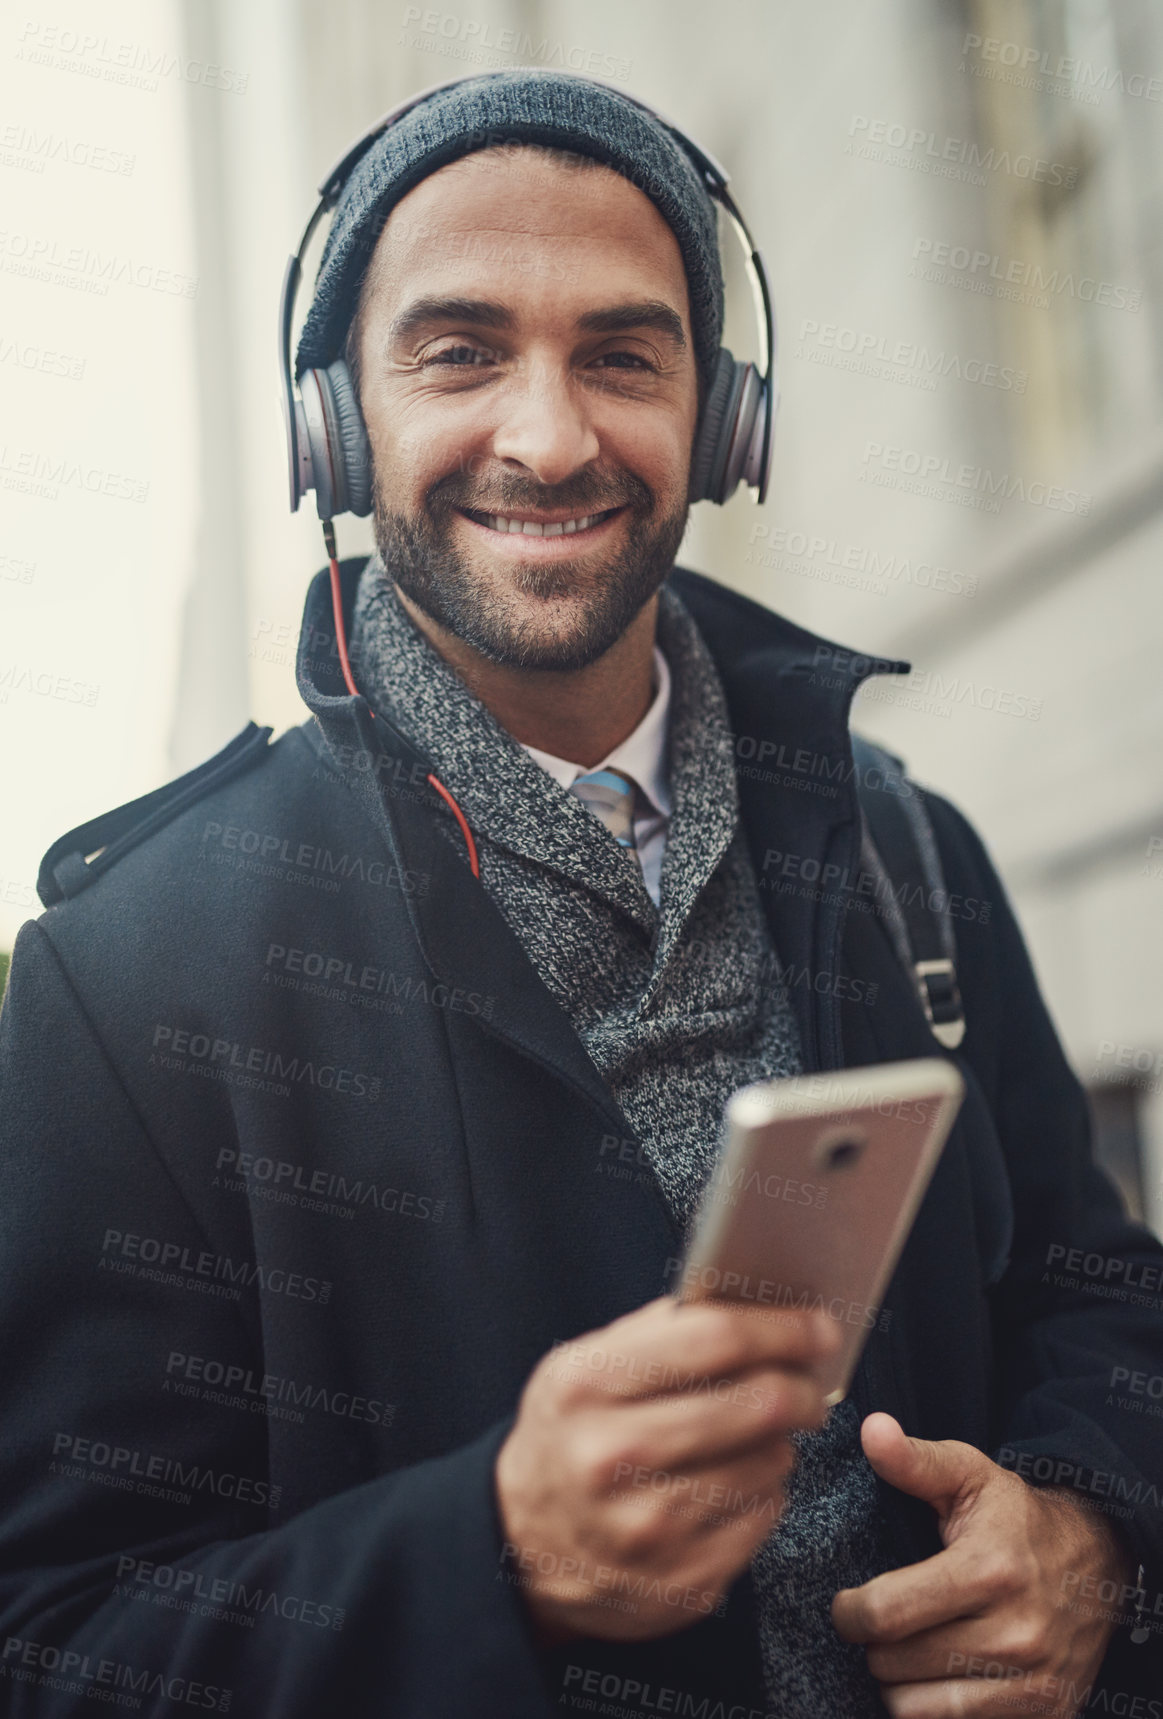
(546, 425)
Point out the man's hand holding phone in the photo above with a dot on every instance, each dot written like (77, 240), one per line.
(648, 1460)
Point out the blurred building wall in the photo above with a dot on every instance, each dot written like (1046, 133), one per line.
(99, 424)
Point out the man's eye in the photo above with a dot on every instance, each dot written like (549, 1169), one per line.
(635, 358)
(461, 357)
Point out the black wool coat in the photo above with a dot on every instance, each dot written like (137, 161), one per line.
(303, 1169)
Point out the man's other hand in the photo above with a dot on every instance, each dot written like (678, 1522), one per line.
(983, 1627)
(647, 1463)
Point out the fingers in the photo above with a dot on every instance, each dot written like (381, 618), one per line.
(727, 1512)
(992, 1695)
(1011, 1645)
(669, 1347)
(964, 1698)
(732, 1419)
(956, 1583)
(941, 1471)
(657, 1446)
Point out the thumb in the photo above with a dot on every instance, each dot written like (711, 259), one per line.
(941, 1471)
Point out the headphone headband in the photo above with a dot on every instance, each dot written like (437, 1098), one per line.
(748, 457)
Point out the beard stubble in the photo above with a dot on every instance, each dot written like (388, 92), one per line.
(421, 555)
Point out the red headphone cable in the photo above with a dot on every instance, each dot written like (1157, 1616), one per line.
(344, 663)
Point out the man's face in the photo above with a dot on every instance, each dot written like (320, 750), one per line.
(526, 355)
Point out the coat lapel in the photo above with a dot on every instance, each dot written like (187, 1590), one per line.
(789, 693)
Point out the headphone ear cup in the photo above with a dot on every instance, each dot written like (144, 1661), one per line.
(336, 440)
(743, 434)
(707, 440)
(354, 456)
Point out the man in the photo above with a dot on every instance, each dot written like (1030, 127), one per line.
(342, 1187)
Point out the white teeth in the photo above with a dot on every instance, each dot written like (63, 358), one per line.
(534, 527)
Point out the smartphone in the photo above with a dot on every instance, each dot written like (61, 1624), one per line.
(814, 1191)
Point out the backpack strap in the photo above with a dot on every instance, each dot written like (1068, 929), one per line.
(902, 851)
(82, 856)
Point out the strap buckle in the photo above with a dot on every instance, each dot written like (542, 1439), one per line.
(941, 1000)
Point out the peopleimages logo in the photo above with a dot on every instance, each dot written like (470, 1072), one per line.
(31, 470)
(136, 65)
(294, 1183)
(45, 360)
(476, 41)
(888, 360)
(634, 1699)
(344, 980)
(921, 149)
(22, 146)
(1035, 68)
(15, 677)
(813, 880)
(154, 1470)
(242, 1387)
(46, 258)
(269, 854)
(790, 551)
(936, 694)
(64, 1669)
(177, 1049)
(121, 1251)
(1010, 277)
(890, 465)
(177, 1582)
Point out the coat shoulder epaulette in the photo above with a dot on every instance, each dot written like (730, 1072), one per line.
(83, 855)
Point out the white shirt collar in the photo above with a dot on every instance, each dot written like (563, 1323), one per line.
(642, 754)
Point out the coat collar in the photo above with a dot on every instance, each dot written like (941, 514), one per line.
(788, 693)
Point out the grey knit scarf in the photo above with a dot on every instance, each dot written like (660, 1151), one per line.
(677, 1006)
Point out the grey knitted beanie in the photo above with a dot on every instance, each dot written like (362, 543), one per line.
(518, 105)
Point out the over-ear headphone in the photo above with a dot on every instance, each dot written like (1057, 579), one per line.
(327, 443)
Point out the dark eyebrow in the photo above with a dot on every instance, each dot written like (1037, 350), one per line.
(644, 313)
(487, 313)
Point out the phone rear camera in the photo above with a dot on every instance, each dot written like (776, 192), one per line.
(840, 1154)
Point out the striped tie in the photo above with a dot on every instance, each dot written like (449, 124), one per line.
(609, 795)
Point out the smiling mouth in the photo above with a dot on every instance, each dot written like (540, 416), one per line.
(513, 525)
